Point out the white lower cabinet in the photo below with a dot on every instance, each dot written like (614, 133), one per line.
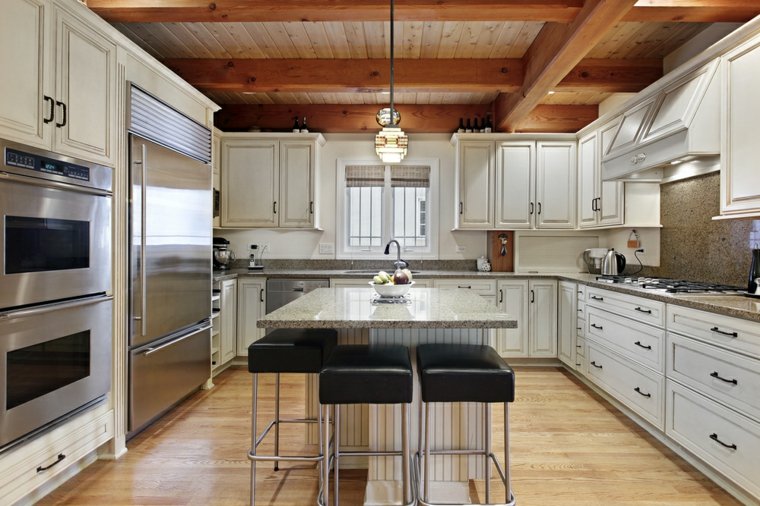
(534, 304)
(567, 319)
(725, 439)
(251, 307)
(224, 323)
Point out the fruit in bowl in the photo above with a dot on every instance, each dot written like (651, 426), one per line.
(396, 285)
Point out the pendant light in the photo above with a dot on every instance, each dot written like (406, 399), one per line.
(391, 142)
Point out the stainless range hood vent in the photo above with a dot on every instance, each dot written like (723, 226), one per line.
(670, 134)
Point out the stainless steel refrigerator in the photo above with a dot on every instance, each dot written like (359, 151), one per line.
(170, 271)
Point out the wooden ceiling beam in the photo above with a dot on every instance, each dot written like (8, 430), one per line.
(414, 118)
(557, 11)
(555, 51)
(339, 75)
(425, 75)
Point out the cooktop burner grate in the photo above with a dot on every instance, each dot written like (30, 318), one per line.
(672, 285)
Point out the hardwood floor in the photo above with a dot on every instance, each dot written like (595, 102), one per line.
(569, 447)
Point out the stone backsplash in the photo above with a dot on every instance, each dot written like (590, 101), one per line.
(696, 247)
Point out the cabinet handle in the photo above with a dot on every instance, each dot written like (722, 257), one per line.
(311, 207)
(715, 438)
(715, 375)
(577, 365)
(579, 328)
(730, 334)
(63, 109)
(578, 346)
(598, 327)
(645, 346)
(261, 295)
(597, 366)
(60, 458)
(49, 100)
(469, 287)
(640, 310)
(638, 391)
(597, 298)
(461, 207)
(274, 207)
(539, 208)
(532, 296)
(531, 208)
(501, 296)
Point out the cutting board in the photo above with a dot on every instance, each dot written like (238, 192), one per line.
(501, 263)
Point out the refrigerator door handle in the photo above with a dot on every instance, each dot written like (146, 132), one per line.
(143, 230)
(152, 350)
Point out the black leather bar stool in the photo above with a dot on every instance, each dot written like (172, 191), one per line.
(286, 351)
(359, 374)
(464, 373)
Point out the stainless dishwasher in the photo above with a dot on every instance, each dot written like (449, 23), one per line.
(282, 291)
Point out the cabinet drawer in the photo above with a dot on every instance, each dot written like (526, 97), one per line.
(22, 470)
(481, 286)
(637, 387)
(582, 293)
(581, 327)
(581, 310)
(638, 308)
(729, 378)
(640, 342)
(731, 333)
(724, 439)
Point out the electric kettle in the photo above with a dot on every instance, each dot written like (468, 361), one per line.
(613, 263)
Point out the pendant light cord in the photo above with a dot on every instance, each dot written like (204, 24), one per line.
(392, 43)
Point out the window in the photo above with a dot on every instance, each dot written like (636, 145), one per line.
(377, 203)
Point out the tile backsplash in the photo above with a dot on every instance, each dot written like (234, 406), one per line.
(696, 247)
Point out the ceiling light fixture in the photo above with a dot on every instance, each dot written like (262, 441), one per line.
(390, 143)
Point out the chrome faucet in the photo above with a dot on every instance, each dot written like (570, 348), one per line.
(399, 264)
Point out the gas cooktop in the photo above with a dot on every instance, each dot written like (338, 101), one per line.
(678, 286)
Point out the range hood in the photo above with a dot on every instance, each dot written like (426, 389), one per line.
(670, 133)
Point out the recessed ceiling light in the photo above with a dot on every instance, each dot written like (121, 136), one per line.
(551, 92)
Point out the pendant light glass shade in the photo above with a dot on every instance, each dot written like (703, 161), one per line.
(391, 142)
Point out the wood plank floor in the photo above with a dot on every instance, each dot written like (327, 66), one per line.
(569, 447)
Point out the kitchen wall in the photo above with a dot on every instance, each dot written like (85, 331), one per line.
(304, 244)
(693, 245)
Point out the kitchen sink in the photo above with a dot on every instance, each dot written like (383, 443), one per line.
(372, 271)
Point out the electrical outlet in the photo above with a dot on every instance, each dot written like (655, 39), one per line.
(460, 249)
(326, 248)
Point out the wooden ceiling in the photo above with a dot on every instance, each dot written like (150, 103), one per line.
(535, 65)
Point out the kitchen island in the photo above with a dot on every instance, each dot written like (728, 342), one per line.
(426, 315)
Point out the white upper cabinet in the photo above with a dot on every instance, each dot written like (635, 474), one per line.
(58, 83)
(515, 184)
(475, 178)
(740, 149)
(631, 124)
(269, 182)
(600, 203)
(555, 184)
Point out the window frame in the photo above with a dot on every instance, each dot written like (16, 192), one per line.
(343, 251)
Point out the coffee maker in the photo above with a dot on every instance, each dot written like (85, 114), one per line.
(223, 255)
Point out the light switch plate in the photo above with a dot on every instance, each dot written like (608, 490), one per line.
(326, 248)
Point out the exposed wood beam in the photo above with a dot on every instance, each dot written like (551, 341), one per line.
(331, 76)
(558, 11)
(414, 118)
(553, 54)
(425, 75)
(148, 11)
(558, 118)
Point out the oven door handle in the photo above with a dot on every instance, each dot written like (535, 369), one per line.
(58, 306)
(151, 350)
(53, 184)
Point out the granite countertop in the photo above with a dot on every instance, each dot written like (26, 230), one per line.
(737, 306)
(354, 307)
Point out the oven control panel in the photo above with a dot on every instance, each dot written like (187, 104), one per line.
(14, 158)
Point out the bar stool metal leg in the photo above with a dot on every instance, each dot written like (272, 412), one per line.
(253, 438)
(277, 421)
(487, 445)
(405, 453)
(336, 452)
(427, 451)
(326, 455)
(507, 464)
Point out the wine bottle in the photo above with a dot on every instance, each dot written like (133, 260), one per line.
(296, 128)
(461, 125)
(489, 127)
(304, 128)
(476, 125)
(468, 129)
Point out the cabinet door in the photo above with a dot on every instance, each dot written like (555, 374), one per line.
(250, 183)
(296, 206)
(513, 299)
(251, 304)
(24, 80)
(610, 210)
(555, 185)
(475, 185)
(85, 90)
(567, 321)
(629, 129)
(587, 181)
(228, 323)
(739, 177)
(515, 181)
(543, 318)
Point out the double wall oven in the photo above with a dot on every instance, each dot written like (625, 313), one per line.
(56, 310)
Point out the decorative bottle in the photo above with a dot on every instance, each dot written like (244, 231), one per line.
(304, 128)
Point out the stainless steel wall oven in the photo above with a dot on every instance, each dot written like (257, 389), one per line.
(56, 311)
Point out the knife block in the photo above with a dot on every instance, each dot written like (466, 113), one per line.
(501, 263)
